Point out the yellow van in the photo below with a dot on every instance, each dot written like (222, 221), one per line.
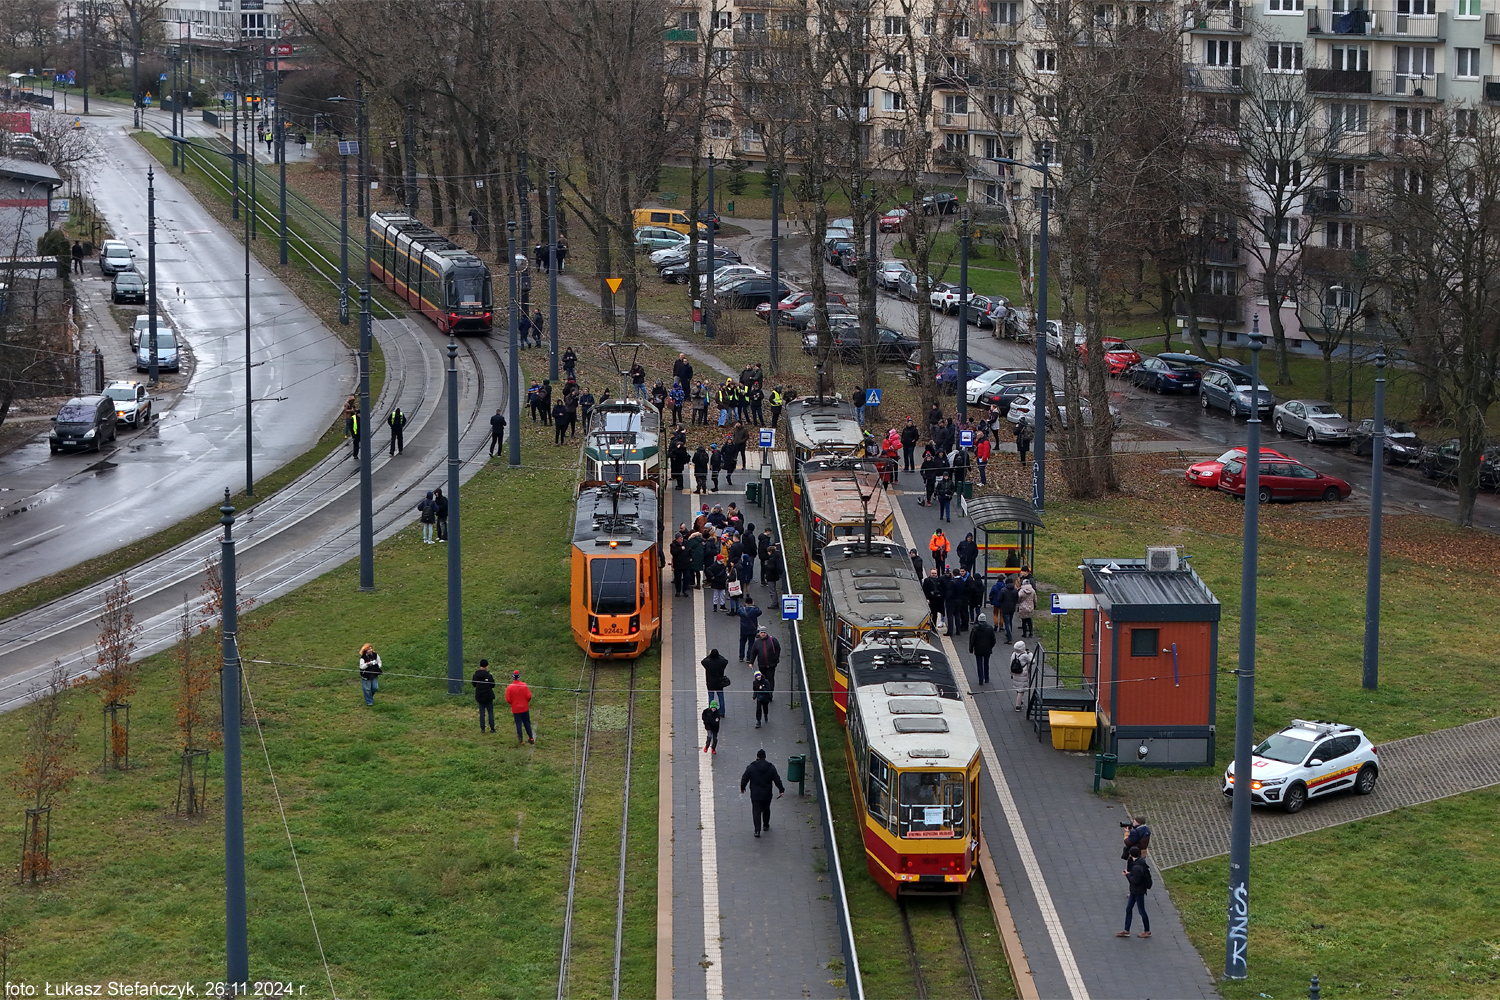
(666, 218)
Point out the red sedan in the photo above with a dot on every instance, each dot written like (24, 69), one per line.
(1284, 479)
(1206, 474)
(892, 221)
(1119, 357)
(763, 311)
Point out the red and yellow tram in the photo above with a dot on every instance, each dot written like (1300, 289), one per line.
(838, 495)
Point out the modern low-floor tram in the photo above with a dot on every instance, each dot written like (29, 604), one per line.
(616, 571)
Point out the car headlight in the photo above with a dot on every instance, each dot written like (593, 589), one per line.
(88, 435)
(1271, 782)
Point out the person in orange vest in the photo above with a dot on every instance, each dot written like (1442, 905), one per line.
(518, 697)
(939, 548)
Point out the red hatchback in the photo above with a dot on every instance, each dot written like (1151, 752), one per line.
(1206, 474)
(1284, 479)
(763, 311)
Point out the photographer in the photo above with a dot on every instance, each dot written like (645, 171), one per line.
(1135, 834)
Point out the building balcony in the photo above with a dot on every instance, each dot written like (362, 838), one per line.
(1213, 308)
(1337, 201)
(845, 114)
(1221, 251)
(998, 32)
(744, 37)
(681, 67)
(1339, 144)
(1492, 27)
(1230, 20)
(1333, 262)
(680, 35)
(1214, 79)
(954, 121)
(1376, 23)
(1491, 92)
(1394, 86)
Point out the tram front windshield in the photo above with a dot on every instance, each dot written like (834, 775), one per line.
(612, 586)
(471, 288)
(931, 803)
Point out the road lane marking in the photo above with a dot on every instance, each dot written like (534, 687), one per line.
(35, 537)
(713, 947)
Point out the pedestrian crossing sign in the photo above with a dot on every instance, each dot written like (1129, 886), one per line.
(791, 607)
(872, 397)
(768, 437)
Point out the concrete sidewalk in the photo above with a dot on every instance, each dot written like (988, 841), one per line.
(751, 917)
(1056, 845)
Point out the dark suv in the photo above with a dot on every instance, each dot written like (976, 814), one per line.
(1440, 461)
(1402, 446)
(84, 422)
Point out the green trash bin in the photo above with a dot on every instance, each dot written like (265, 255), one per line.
(731, 208)
(968, 490)
(796, 770)
(752, 492)
(1107, 764)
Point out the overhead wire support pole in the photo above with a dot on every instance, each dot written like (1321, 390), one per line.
(455, 563)
(1371, 677)
(366, 434)
(278, 130)
(552, 271)
(775, 340)
(236, 938)
(961, 379)
(515, 350)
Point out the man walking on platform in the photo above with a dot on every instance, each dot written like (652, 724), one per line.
(759, 776)
(982, 644)
(497, 431)
(397, 420)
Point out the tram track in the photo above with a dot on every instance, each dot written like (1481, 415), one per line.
(606, 749)
(933, 943)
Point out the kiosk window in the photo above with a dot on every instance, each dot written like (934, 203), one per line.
(1143, 641)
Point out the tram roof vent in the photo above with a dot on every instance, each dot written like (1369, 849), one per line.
(911, 688)
(927, 752)
(915, 706)
(922, 726)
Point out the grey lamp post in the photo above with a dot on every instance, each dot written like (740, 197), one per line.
(774, 343)
(961, 377)
(1237, 942)
(236, 940)
(515, 351)
(1039, 463)
(455, 565)
(552, 273)
(709, 327)
(1372, 577)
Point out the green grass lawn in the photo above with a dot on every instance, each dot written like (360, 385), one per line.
(1400, 905)
(435, 857)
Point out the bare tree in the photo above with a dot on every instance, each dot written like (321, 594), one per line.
(117, 677)
(46, 768)
(1439, 261)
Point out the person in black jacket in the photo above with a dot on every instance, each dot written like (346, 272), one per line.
(369, 672)
(760, 689)
(711, 717)
(714, 677)
(770, 569)
(1138, 873)
(679, 566)
(982, 644)
(909, 437)
(700, 469)
(715, 464)
(916, 562)
(441, 510)
(484, 694)
(1006, 606)
(974, 592)
(968, 553)
(497, 431)
(954, 598)
(570, 361)
(397, 422)
(765, 655)
(932, 589)
(760, 775)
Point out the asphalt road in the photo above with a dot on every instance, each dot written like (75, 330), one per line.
(1199, 434)
(60, 510)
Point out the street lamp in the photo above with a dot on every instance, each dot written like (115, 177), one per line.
(1372, 577)
(1039, 464)
(366, 433)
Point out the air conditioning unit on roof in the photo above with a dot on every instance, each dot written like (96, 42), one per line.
(1161, 559)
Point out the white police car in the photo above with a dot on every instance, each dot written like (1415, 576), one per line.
(1309, 759)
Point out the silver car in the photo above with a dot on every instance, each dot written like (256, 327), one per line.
(890, 273)
(1314, 419)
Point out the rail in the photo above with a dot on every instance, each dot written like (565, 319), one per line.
(852, 977)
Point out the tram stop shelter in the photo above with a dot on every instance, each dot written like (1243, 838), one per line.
(1150, 650)
(1007, 533)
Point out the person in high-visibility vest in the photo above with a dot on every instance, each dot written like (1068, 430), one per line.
(351, 428)
(778, 400)
(939, 548)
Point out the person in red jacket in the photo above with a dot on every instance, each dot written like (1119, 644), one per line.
(518, 697)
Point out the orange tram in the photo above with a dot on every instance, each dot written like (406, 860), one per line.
(838, 494)
(616, 571)
(912, 753)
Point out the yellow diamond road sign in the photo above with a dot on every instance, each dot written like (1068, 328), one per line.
(614, 283)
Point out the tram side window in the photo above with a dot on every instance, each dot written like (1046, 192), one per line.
(878, 795)
(612, 586)
(451, 291)
(931, 801)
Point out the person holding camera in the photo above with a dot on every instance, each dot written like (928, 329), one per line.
(1138, 874)
(1136, 834)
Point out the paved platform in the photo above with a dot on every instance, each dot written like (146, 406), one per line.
(749, 917)
(1056, 845)
(1190, 816)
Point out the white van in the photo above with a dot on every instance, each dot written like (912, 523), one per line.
(166, 350)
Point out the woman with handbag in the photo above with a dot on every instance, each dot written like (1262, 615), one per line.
(369, 672)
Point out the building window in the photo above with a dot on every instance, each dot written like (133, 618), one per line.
(1410, 181)
(722, 57)
(718, 128)
(1223, 281)
(1222, 111)
(1283, 6)
(893, 138)
(1349, 119)
(1046, 105)
(1421, 8)
(960, 27)
(1339, 298)
(751, 135)
(895, 26)
(1467, 8)
(753, 21)
(1416, 61)
(1466, 63)
(955, 104)
(1346, 177)
(1283, 173)
(1001, 104)
(929, 25)
(755, 58)
(1221, 52)
(1344, 236)
(1284, 57)
(893, 101)
(1282, 232)
(1283, 116)
(895, 64)
(1465, 123)
(1046, 60)
(1413, 121)
(1005, 13)
(956, 142)
(723, 20)
(687, 20)
(1143, 641)
(1350, 58)
(790, 22)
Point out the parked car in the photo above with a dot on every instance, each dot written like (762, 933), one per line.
(946, 298)
(1440, 461)
(1206, 474)
(801, 317)
(1119, 358)
(1284, 480)
(893, 220)
(167, 355)
(652, 238)
(981, 384)
(83, 422)
(1003, 394)
(834, 252)
(141, 330)
(794, 300)
(940, 356)
(723, 267)
(709, 218)
(132, 402)
(948, 374)
(1309, 760)
(1228, 388)
(890, 273)
(755, 291)
(1055, 337)
(1024, 410)
(128, 287)
(940, 204)
(1314, 419)
(1166, 373)
(892, 345)
(906, 286)
(115, 256)
(848, 261)
(1402, 446)
(679, 254)
(985, 311)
